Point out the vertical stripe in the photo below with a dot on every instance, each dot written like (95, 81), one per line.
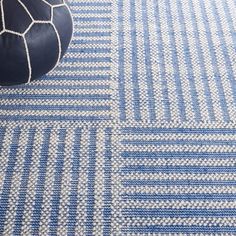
(134, 76)
(24, 182)
(72, 216)
(91, 182)
(35, 224)
(8, 177)
(175, 63)
(121, 76)
(165, 93)
(107, 183)
(55, 201)
(147, 56)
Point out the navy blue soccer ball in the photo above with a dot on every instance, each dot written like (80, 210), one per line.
(34, 35)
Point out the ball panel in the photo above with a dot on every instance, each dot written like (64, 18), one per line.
(16, 18)
(64, 25)
(43, 48)
(54, 2)
(13, 60)
(38, 9)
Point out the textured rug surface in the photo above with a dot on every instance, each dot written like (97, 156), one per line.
(134, 133)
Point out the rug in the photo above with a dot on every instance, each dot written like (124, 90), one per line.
(134, 133)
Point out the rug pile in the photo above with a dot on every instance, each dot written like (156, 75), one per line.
(134, 133)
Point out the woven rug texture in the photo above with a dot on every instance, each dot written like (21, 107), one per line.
(134, 133)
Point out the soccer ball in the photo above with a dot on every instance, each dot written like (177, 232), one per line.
(34, 35)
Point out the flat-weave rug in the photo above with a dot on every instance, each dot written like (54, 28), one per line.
(134, 133)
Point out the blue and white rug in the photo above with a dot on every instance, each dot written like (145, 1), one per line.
(134, 133)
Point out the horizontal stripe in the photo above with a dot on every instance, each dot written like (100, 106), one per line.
(179, 169)
(59, 87)
(180, 229)
(185, 197)
(53, 118)
(79, 78)
(56, 96)
(140, 142)
(179, 182)
(173, 155)
(180, 212)
(138, 130)
(90, 4)
(89, 19)
(57, 107)
(90, 60)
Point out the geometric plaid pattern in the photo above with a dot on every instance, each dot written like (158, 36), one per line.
(134, 133)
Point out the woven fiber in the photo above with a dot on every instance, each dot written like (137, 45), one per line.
(134, 133)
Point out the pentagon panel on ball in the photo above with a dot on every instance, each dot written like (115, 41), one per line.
(34, 40)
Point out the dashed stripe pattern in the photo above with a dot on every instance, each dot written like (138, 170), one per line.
(177, 181)
(58, 188)
(176, 60)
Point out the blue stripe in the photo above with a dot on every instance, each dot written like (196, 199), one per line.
(38, 200)
(60, 86)
(140, 142)
(178, 169)
(144, 212)
(121, 67)
(140, 130)
(91, 11)
(9, 172)
(183, 155)
(93, 26)
(74, 195)
(171, 182)
(91, 4)
(185, 229)
(24, 183)
(53, 118)
(162, 65)
(91, 41)
(56, 96)
(58, 173)
(189, 64)
(78, 77)
(107, 183)
(91, 19)
(24, 107)
(86, 59)
(64, 68)
(92, 34)
(91, 182)
(201, 62)
(134, 76)
(212, 52)
(180, 197)
(175, 63)
(148, 63)
(89, 50)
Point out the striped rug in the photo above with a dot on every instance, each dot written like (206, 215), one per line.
(134, 133)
